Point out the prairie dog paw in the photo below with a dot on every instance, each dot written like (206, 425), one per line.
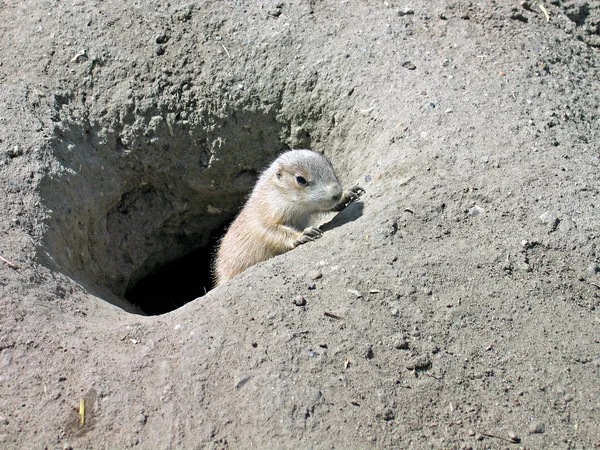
(309, 234)
(354, 193)
(351, 195)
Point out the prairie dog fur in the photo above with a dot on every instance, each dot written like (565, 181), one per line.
(297, 188)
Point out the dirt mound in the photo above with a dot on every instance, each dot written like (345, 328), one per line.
(454, 306)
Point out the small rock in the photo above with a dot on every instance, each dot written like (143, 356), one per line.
(299, 300)
(476, 210)
(368, 351)
(406, 12)
(471, 433)
(401, 343)
(80, 57)
(394, 312)
(160, 50)
(527, 5)
(514, 437)
(4, 421)
(551, 219)
(315, 274)
(15, 151)
(387, 415)
(243, 381)
(162, 38)
(536, 428)
(409, 65)
(419, 363)
(528, 244)
(593, 268)
(518, 16)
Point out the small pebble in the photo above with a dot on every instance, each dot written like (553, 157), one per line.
(401, 343)
(387, 415)
(315, 274)
(406, 12)
(394, 312)
(162, 38)
(419, 363)
(593, 268)
(536, 428)
(242, 382)
(476, 210)
(141, 419)
(299, 300)
(409, 65)
(368, 351)
(160, 50)
(551, 219)
(471, 433)
(514, 437)
(355, 292)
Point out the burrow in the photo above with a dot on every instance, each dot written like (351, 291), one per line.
(134, 211)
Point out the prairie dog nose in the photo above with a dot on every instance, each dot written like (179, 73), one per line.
(335, 190)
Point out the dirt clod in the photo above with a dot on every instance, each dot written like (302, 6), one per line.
(299, 300)
(421, 362)
(536, 428)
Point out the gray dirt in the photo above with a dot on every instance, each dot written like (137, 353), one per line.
(458, 303)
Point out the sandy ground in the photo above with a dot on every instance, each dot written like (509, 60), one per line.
(454, 306)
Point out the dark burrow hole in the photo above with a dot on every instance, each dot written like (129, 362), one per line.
(178, 282)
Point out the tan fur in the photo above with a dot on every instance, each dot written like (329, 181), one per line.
(280, 213)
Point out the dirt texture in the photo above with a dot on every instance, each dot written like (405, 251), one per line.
(456, 305)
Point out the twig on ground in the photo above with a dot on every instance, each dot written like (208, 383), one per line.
(512, 441)
(545, 11)
(82, 411)
(10, 264)
(333, 316)
(228, 55)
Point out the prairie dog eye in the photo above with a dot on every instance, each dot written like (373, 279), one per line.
(301, 180)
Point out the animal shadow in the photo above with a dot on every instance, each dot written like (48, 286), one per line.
(352, 212)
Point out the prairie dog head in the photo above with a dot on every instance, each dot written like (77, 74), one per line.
(306, 179)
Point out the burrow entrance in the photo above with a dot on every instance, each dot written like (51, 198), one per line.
(173, 284)
(135, 213)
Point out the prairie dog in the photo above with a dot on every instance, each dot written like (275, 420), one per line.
(298, 187)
